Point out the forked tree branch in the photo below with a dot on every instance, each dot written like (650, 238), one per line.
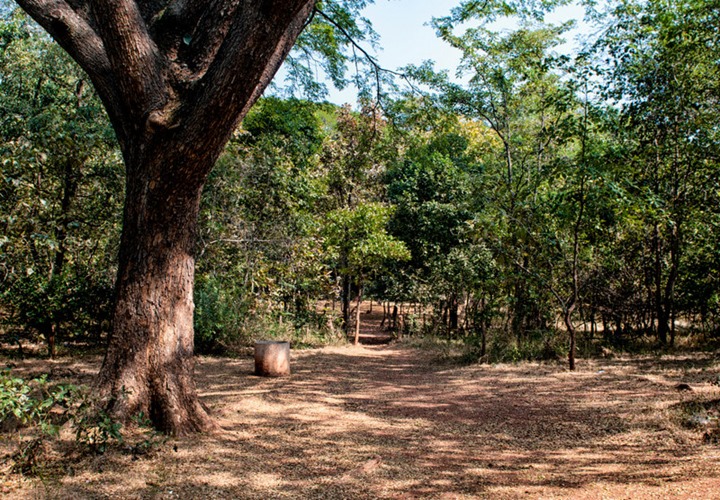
(157, 64)
(207, 34)
(135, 59)
(71, 31)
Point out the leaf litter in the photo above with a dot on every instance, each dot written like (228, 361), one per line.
(390, 421)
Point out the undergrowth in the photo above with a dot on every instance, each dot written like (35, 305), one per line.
(35, 411)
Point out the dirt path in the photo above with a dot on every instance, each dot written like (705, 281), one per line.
(388, 422)
(372, 332)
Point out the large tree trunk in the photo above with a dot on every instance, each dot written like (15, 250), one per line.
(149, 362)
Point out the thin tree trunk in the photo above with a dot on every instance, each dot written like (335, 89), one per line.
(669, 301)
(51, 326)
(571, 331)
(660, 312)
(453, 313)
(575, 274)
(345, 303)
(483, 327)
(672, 327)
(357, 316)
(466, 318)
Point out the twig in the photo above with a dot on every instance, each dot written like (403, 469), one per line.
(377, 68)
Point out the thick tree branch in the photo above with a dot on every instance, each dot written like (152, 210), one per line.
(67, 22)
(281, 50)
(189, 33)
(134, 57)
(71, 31)
(208, 33)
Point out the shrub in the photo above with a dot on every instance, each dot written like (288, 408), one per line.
(73, 306)
(42, 409)
(29, 403)
(219, 315)
(540, 345)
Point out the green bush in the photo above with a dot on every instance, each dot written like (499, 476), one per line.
(301, 334)
(95, 429)
(219, 315)
(39, 410)
(74, 306)
(541, 345)
(42, 409)
(28, 403)
(225, 323)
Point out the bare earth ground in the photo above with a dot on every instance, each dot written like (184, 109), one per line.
(390, 422)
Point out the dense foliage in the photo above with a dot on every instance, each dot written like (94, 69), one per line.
(544, 196)
(60, 192)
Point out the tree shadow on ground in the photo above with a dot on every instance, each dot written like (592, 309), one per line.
(386, 422)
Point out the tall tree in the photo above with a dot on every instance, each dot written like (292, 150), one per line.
(516, 89)
(175, 77)
(664, 75)
(358, 238)
(351, 158)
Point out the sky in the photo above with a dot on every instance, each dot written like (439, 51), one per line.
(406, 37)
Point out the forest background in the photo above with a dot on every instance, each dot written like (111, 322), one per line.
(538, 200)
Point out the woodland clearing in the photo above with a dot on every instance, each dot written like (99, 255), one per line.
(390, 421)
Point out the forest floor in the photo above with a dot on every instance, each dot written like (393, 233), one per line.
(392, 421)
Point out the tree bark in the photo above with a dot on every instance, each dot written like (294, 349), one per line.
(149, 362)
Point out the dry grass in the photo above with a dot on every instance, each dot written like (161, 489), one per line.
(389, 422)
